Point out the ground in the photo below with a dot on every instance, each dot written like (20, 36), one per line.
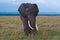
(11, 28)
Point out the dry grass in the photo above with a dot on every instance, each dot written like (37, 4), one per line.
(11, 28)
(49, 22)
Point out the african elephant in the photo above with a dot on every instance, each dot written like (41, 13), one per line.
(28, 13)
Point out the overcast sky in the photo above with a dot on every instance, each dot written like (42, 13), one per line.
(43, 5)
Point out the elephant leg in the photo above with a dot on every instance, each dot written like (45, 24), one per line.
(32, 20)
(25, 24)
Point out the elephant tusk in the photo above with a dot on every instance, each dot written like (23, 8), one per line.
(36, 27)
(30, 25)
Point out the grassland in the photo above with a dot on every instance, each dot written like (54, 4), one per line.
(11, 28)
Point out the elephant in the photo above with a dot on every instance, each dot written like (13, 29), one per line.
(28, 13)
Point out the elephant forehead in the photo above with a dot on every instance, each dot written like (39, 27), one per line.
(27, 9)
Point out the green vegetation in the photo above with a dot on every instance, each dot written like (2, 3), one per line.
(11, 28)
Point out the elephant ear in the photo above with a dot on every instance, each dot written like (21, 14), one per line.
(36, 10)
(35, 6)
(20, 6)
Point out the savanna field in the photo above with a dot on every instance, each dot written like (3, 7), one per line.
(11, 28)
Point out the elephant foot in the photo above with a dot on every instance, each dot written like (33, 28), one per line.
(34, 32)
(27, 32)
(31, 32)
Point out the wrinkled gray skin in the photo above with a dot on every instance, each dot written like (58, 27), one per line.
(29, 12)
